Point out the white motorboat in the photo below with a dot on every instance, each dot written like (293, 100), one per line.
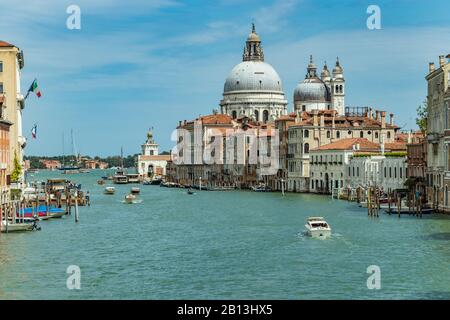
(110, 190)
(317, 227)
(135, 190)
(15, 227)
(129, 198)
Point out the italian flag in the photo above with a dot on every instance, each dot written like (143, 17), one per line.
(34, 88)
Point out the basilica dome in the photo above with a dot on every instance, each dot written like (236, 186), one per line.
(253, 76)
(312, 90)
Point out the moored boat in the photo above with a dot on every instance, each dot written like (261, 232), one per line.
(317, 227)
(7, 227)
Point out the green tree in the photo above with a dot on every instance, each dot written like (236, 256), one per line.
(17, 171)
(422, 116)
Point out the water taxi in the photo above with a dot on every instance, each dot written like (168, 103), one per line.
(135, 190)
(129, 198)
(110, 190)
(133, 178)
(317, 227)
(120, 177)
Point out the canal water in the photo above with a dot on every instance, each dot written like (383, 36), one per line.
(224, 245)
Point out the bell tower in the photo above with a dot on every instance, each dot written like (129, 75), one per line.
(338, 88)
(150, 147)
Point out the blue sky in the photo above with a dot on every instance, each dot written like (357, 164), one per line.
(142, 63)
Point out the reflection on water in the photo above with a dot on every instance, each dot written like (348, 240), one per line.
(224, 245)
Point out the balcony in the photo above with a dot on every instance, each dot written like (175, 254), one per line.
(433, 137)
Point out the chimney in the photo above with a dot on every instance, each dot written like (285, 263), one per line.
(383, 119)
(377, 112)
(409, 137)
(297, 116)
(315, 120)
(369, 115)
(431, 67)
(441, 61)
(391, 119)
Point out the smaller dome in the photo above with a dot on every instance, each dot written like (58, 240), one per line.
(312, 90)
(325, 72)
(338, 68)
(254, 37)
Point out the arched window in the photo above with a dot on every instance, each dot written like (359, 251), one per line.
(265, 115)
(341, 89)
(385, 172)
(306, 133)
(234, 114)
(395, 172)
(401, 173)
(361, 134)
(338, 134)
(256, 115)
(306, 147)
(328, 134)
(376, 135)
(389, 135)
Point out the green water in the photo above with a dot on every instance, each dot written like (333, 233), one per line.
(224, 245)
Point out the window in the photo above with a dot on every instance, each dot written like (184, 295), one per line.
(401, 173)
(385, 172)
(395, 172)
(328, 134)
(1, 66)
(306, 147)
(338, 134)
(306, 133)
(1, 87)
(265, 115)
(256, 115)
(303, 108)
(361, 134)
(376, 135)
(349, 133)
(234, 114)
(357, 171)
(389, 135)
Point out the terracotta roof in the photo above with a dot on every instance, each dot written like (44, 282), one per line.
(159, 157)
(5, 44)
(396, 146)
(216, 119)
(347, 144)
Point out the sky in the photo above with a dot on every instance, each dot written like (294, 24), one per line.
(149, 63)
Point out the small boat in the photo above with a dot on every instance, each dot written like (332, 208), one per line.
(190, 191)
(101, 182)
(15, 227)
(156, 182)
(129, 198)
(261, 188)
(317, 227)
(110, 190)
(135, 190)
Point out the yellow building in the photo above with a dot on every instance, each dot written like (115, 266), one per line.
(11, 63)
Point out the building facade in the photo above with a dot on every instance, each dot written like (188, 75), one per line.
(437, 125)
(11, 64)
(151, 164)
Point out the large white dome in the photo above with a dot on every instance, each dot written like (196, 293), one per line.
(253, 76)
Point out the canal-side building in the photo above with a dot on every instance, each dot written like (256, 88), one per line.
(253, 88)
(437, 127)
(329, 162)
(223, 152)
(387, 171)
(11, 64)
(311, 130)
(416, 155)
(151, 164)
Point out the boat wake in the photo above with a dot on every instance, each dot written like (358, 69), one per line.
(137, 201)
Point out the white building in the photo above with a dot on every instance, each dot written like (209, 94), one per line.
(253, 88)
(329, 163)
(152, 165)
(386, 172)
